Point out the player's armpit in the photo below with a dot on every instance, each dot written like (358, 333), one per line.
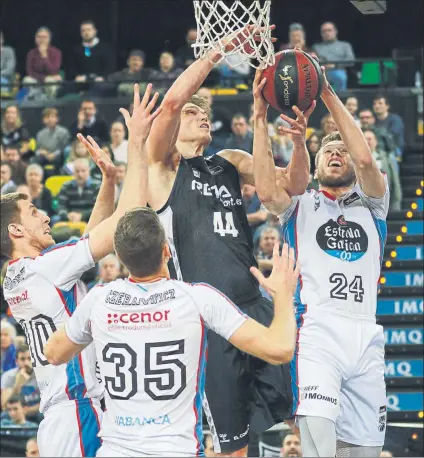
(60, 349)
(258, 340)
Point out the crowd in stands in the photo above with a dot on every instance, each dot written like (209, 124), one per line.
(56, 170)
(91, 62)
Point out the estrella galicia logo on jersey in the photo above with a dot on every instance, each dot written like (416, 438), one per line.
(343, 239)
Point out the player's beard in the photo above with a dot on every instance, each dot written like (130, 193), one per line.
(344, 181)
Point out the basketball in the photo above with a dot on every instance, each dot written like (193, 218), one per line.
(295, 79)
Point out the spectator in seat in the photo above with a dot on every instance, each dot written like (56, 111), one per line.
(392, 122)
(18, 166)
(118, 142)
(21, 382)
(6, 181)
(109, 270)
(352, 105)
(383, 161)
(233, 70)
(327, 125)
(52, 140)
(313, 144)
(121, 171)
(7, 66)
(31, 448)
(167, 73)
(185, 55)
(78, 151)
(242, 137)
(329, 50)
(13, 130)
(282, 144)
(269, 236)
(41, 196)
(297, 39)
(92, 59)
(135, 73)
(291, 446)
(252, 204)
(8, 349)
(16, 414)
(43, 62)
(89, 123)
(77, 197)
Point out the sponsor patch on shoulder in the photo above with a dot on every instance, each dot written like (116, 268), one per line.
(352, 198)
(382, 409)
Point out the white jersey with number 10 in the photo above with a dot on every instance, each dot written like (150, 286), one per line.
(150, 341)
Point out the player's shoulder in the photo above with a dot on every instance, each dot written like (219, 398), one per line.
(16, 273)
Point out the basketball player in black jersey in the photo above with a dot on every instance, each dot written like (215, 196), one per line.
(200, 205)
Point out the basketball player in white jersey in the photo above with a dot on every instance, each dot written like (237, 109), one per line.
(338, 234)
(41, 283)
(150, 335)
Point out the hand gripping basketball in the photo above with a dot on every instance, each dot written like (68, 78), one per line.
(298, 127)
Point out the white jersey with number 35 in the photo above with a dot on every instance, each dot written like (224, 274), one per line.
(150, 341)
(340, 245)
(42, 294)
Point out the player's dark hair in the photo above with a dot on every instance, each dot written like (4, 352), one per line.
(10, 213)
(14, 400)
(201, 103)
(139, 242)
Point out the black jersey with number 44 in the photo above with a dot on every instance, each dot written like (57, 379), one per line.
(207, 228)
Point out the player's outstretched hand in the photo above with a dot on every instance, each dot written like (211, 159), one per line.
(100, 158)
(140, 123)
(284, 275)
(260, 105)
(298, 127)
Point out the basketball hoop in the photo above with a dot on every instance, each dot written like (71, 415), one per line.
(247, 28)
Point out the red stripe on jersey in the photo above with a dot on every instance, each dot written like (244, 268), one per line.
(199, 368)
(63, 301)
(223, 295)
(13, 261)
(327, 194)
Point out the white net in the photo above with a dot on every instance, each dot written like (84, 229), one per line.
(236, 30)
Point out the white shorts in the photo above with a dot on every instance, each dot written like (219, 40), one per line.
(112, 450)
(70, 429)
(338, 373)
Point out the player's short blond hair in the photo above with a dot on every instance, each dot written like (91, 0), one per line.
(200, 102)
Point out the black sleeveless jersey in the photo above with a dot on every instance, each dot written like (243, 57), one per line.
(207, 229)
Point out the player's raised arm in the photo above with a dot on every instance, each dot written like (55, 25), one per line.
(164, 132)
(134, 192)
(275, 186)
(105, 202)
(368, 173)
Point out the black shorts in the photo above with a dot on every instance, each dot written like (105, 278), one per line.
(242, 391)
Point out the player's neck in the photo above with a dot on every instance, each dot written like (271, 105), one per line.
(190, 149)
(161, 275)
(335, 192)
(26, 251)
